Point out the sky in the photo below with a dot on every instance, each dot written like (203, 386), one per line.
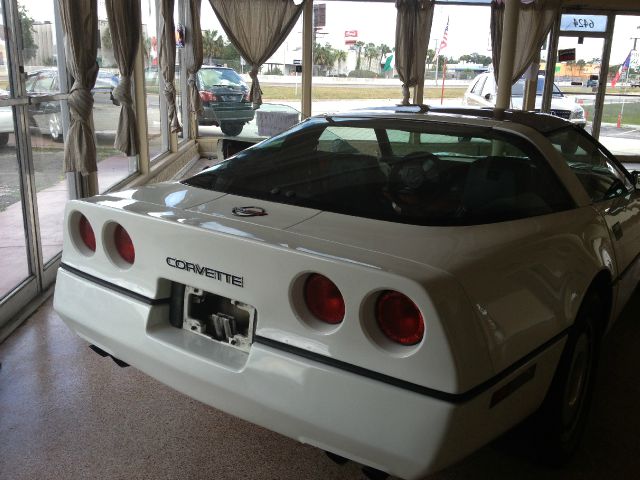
(375, 22)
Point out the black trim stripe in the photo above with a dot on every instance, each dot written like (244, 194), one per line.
(396, 382)
(332, 362)
(116, 288)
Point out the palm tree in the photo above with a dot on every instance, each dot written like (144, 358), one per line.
(324, 56)
(358, 45)
(383, 49)
(341, 57)
(370, 52)
(212, 44)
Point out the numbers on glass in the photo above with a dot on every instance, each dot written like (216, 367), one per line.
(583, 23)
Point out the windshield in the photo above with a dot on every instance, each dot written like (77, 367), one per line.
(213, 77)
(395, 170)
(518, 88)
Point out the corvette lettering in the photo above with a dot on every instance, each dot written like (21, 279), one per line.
(206, 271)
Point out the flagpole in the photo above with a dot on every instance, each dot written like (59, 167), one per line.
(444, 73)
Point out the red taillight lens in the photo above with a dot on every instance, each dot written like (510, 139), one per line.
(86, 233)
(399, 318)
(124, 245)
(208, 96)
(323, 299)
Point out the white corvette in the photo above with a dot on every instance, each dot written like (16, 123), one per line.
(394, 287)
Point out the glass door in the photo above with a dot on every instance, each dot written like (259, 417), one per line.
(33, 187)
(579, 57)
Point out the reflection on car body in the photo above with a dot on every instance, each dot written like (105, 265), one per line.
(421, 281)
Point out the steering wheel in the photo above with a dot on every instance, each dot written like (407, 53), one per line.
(413, 171)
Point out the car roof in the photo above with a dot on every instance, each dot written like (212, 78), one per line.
(490, 117)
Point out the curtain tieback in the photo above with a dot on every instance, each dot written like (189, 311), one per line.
(80, 103)
(122, 93)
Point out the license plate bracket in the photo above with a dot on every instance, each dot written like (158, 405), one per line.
(219, 318)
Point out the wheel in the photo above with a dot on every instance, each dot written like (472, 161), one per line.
(561, 420)
(231, 129)
(4, 139)
(55, 128)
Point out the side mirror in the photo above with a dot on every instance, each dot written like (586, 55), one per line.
(487, 96)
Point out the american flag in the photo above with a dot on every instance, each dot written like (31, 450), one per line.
(443, 43)
(621, 71)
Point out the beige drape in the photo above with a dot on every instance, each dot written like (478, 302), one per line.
(125, 26)
(80, 29)
(167, 60)
(534, 22)
(257, 28)
(193, 53)
(413, 26)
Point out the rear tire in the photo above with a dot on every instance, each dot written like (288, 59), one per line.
(560, 422)
(232, 129)
(4, 139)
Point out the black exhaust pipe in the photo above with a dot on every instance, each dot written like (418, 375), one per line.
(103, 354)
(374, 474)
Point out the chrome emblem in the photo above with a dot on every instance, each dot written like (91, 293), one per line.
(249, 211)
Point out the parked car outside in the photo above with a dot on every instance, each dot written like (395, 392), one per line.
(225, 99)
(224, 95)
(6, 124)
(482, 92)
(44, 116)
(397, 287)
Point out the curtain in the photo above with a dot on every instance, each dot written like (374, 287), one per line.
(413, 27)
(167, 60)
(256, 28)
(125, 26)
(534, 22)
(193, 53)
(80, 29)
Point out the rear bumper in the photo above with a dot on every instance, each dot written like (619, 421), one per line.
(396, 430)
(238, 112)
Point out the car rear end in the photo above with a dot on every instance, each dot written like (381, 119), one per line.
(337, 347)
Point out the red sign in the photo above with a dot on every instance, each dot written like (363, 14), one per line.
(351, 33)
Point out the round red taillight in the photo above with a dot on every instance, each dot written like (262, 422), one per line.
(86, 233)
(399, 318)
(124, 245)
(323, 299)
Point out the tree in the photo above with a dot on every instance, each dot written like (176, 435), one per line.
(358, 46)
(475, 58)
(370, 52)
(107, 41)
(29, 46)
(212, 45)
(581, 64)
(324, 56)
(383, 50)
(341, 57)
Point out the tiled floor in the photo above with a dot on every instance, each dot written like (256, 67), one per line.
(66, 413)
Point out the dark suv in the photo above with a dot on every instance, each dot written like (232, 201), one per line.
(225, 99)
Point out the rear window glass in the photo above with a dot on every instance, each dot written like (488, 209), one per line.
(416, 172)
(213, 77)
